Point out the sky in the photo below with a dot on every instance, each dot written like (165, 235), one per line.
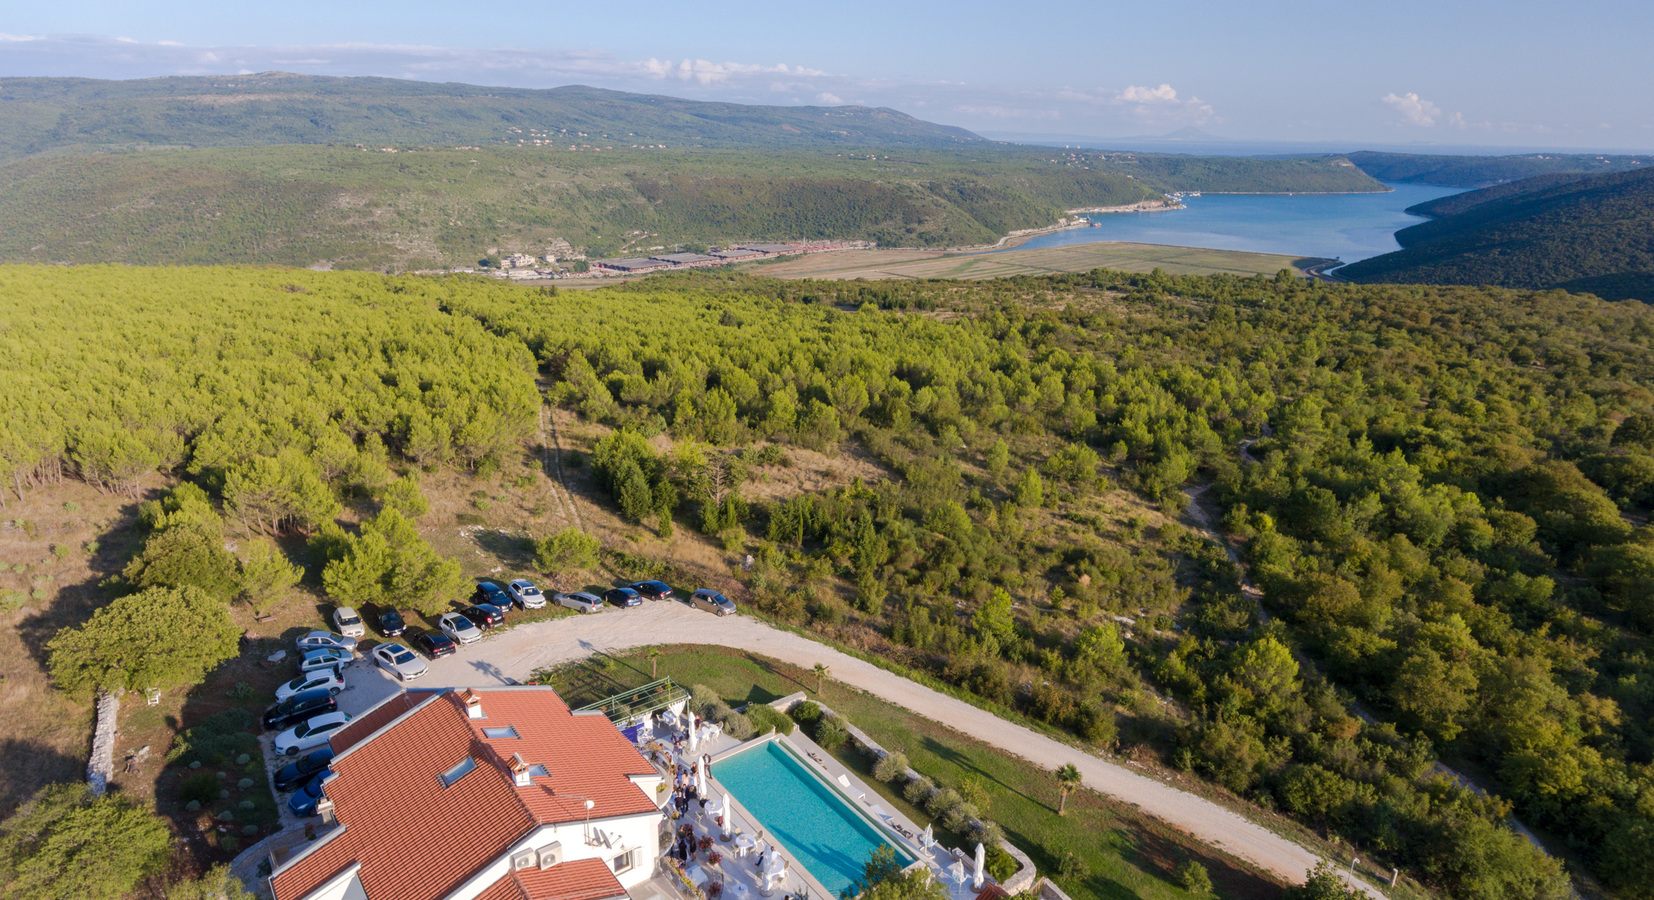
(1461, 72)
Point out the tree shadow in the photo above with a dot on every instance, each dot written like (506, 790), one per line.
(31, 766)
(964, 763)
(75, 603)
(1158, 855)
(514, 550)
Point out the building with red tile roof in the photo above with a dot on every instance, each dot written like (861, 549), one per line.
(497, 793)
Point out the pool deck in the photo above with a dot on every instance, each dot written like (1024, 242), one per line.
(735, 869)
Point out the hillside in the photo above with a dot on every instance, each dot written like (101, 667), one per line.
(42, 114)
(1478, 171)
(1436, 526)
(1593, 234)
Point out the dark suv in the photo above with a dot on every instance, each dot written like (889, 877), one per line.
(654, 590)
(485, 615)
(296, 774)
(490, 594)
(299, 707)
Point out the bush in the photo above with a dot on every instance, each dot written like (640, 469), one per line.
(1000, 865)
(939, 802)
(918, 791)
(200, 788)
(958, 818)
(1192, 875)
(702, 697)
(807, 714)
(244, 783)
(737, 725)
(568, 550)
(1095, 722)
(891, 767)
(831, 732)
(767, 718)
(217, 739)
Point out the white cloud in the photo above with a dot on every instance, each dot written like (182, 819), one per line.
(1414, 109)
(17, 38)
(828, 98)
(1162, 94)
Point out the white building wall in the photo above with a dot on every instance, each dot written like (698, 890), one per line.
(605, 839)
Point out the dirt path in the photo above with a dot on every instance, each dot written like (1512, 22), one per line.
(516, 653)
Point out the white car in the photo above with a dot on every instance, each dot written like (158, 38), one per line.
(324, 660)
(311, 733)
(326, 640)
(399, 661)
(459, 628)
(525, 594)
(327, 677)
(349, 623)
(581, 601)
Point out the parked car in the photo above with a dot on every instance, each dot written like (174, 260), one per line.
(304, 800)
(299, 707)
(391, 624)
(623, 597)
(324, 659)
(654, 590)
(326, 640)
(295, 774)
(581, 601)
(435, 644)
(490, 594)
(485, 615)
(399, 661)
(327, 679)
(525, 594)
(459, 628)
(310, 733)
(712, 602)
(349, 623)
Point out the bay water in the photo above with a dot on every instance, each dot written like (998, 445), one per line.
(1334, 226)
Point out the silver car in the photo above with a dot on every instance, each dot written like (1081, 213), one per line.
(326, 640)
(458, 627)
(399, 661)
(324, 677)
(349, 623)
(325, 659)
(581, 601)
(525, 594)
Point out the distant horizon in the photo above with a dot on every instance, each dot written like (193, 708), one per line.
(1464, 75)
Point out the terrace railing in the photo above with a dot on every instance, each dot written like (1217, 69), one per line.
(636, 703)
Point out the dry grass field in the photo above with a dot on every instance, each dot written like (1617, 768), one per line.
(879, 264)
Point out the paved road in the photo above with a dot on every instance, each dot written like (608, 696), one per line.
(516, 653)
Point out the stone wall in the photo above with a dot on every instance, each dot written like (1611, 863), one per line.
(101, 767)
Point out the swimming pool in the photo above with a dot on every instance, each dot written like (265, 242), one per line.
(827, 836)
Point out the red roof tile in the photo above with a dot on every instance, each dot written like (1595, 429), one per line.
(388, 795)
(583, 879)
(374, 719)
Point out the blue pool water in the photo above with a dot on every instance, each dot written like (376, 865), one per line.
(1345, 226)
(802, 814)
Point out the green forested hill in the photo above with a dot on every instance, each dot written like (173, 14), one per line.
(1441, 501)
(41, 114)
(1453, 204)
(1591, 234)
(1477, 171)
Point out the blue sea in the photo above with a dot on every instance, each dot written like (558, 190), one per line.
(1335, 226)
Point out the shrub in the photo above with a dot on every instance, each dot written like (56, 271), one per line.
(939, 802)
(1192, 875)
(737, 725)
(957, 819)
(566, 551)
(702, 697)
(192, 806)
(890, 767)
(249, 830)
(1000, 865)
(217, 739)
(807, 714)
(918, 791)
(767, 718)
(245, 805)
(831, 732)
(244, 783)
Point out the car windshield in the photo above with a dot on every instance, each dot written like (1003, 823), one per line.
(530, 590)
(400, 656)
(349, 618)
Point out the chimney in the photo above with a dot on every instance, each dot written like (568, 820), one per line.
(324, 808)
(473, 703)
(519, 771)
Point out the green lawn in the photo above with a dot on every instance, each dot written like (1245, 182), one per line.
(1126, 853)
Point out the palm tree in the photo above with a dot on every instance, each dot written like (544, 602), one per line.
(1068, 781)
(821, 673)
(654, 663)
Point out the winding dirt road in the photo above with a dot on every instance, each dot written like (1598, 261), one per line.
(516, 653)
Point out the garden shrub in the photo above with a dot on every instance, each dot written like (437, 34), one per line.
(831, 732)
(807, 714)
(890, 767)
(767, 718)
(918, 791)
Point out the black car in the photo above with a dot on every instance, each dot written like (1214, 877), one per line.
(484, 615)
(490, 594)
(622, 597)
(435, 644)
(295, 774)
(654, 590)
(299, 707)
(391, 624)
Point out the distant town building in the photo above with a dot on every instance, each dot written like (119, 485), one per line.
(634, 264)
(736, 254)
(771, 249)
(684, 259)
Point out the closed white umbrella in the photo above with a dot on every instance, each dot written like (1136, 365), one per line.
(929, 838)
(700, 780)
(981, 861)
(692, 730)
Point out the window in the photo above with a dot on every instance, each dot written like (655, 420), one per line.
(538, 771)
(504, 731)
(624, 862)
(459, 771)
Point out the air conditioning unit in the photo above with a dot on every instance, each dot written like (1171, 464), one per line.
(523, 859)
(551, 854)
